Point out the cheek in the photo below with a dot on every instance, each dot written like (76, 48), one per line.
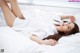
(72, 26)
(65, 28)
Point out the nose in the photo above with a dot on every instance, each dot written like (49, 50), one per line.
(65, 24)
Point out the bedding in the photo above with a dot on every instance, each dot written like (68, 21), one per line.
(77, 16)
(41, 25)
(14, 42)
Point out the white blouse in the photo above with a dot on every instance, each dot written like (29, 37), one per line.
(38, 26)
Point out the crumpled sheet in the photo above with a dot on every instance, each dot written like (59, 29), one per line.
(13, 42)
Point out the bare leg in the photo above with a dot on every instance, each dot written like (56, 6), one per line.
(15, 9)
(9, 16)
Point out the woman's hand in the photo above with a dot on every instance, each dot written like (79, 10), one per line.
(50, 42)
(71, 17)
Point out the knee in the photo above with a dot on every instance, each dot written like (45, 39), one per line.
(12, 1)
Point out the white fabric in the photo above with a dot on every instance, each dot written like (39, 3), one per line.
(77, 17)
(13, 42)
(57, 18)
(20, 22)
(38, 26)
(74, 38)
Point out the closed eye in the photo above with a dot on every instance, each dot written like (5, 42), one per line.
(64, 21)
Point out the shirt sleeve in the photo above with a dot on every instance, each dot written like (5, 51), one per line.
(39, 33)
(57, 20)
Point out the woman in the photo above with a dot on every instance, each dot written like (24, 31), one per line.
(65, 28)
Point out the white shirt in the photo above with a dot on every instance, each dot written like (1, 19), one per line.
(38, 26)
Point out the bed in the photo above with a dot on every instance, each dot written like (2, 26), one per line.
(14, 42)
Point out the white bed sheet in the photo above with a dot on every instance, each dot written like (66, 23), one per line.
(13, 42)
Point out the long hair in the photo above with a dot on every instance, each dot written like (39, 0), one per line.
(61, 34)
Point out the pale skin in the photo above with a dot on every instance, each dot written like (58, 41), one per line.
(10, 16)
(11, 13)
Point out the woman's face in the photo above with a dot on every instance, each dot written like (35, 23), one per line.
(66, 27)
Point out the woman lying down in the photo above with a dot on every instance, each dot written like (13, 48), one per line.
(52, 31)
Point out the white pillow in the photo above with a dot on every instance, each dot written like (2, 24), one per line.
(77, 16)
(70, 39)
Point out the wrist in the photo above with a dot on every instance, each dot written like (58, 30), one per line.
(45, 42)
(42, 42)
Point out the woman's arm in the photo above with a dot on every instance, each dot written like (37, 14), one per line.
(36, 39)
(72, 18)
(40, 41)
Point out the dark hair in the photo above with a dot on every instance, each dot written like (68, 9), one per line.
(61, 34)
